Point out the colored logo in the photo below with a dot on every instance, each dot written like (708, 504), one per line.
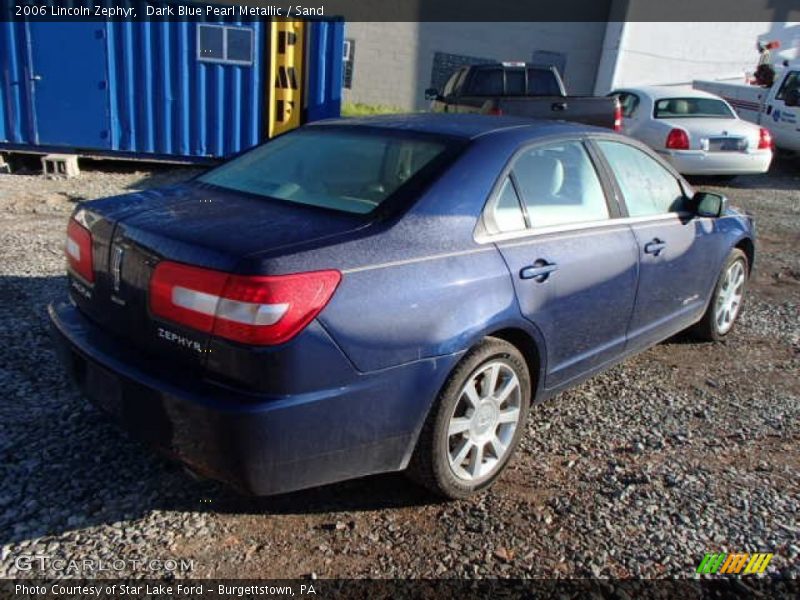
(733, 564)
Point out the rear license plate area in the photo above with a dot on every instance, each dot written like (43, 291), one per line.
(727, 144)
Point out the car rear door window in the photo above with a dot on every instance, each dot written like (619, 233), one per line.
(647, 187)
(558, 185)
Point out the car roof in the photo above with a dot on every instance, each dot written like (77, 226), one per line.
(657, 92)
(465, 126)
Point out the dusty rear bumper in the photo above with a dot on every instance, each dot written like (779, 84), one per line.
(259, 444)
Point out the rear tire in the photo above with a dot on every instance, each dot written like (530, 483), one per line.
(476, 422)
(726, 301)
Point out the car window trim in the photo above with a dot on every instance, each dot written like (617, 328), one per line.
(528, 235)
(522, 206)
(482, 233)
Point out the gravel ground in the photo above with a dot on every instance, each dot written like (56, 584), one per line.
(685, 449)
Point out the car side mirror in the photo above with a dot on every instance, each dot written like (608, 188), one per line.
(792, 97)
(709, 204)
(432, 94)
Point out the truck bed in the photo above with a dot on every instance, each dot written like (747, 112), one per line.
(521, 89)
(590, 110)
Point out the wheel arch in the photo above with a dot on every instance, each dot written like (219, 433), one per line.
(747, 246)
(533, 352)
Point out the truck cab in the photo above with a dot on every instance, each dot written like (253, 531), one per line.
(777, 108)
(781, 113)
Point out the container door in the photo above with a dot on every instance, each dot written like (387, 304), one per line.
(70, 85)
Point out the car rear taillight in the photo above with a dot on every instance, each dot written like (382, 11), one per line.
(495, 110)
(765, 140)
(677, 139)
(617, 117)
(79, 251)
(258, 310)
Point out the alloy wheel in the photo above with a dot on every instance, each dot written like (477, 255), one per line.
(729, 297)
(481, 428)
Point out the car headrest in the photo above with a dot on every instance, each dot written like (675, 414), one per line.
(679, 107)
(540, 176)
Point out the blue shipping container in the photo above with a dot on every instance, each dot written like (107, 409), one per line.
(173, 89)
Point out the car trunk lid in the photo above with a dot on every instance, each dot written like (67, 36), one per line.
(195, 224)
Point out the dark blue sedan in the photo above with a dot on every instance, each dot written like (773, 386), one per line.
(384, 294)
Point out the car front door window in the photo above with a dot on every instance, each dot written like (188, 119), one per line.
(648, 188)
(791, 82)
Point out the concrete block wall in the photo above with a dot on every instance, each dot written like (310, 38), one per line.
(644, 53)
(393, 61)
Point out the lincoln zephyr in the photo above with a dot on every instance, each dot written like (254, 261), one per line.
(388, 294)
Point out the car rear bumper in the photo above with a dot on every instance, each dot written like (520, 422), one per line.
(258, 444)
(700, 162)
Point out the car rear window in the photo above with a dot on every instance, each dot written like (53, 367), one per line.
(487, 82)
(672, 108)
(344, 169)
(515, 82)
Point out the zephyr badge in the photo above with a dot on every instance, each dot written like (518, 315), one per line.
(116, 266)
(116, 273)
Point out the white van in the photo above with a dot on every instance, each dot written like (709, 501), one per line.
(775, 108)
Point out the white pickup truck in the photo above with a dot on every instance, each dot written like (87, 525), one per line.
(775, 108)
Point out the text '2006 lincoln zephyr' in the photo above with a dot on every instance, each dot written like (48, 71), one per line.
(385, 294)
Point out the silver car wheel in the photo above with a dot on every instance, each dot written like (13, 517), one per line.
(483, 422)
(729, 297)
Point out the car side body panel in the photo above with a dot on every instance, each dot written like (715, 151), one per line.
(584, 306)
(674, 284)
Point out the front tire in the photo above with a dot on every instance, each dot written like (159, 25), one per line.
(475, 424)
(726, 301)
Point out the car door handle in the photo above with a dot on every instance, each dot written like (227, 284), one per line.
(558, 106)
(654, 247)
(539, 271)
